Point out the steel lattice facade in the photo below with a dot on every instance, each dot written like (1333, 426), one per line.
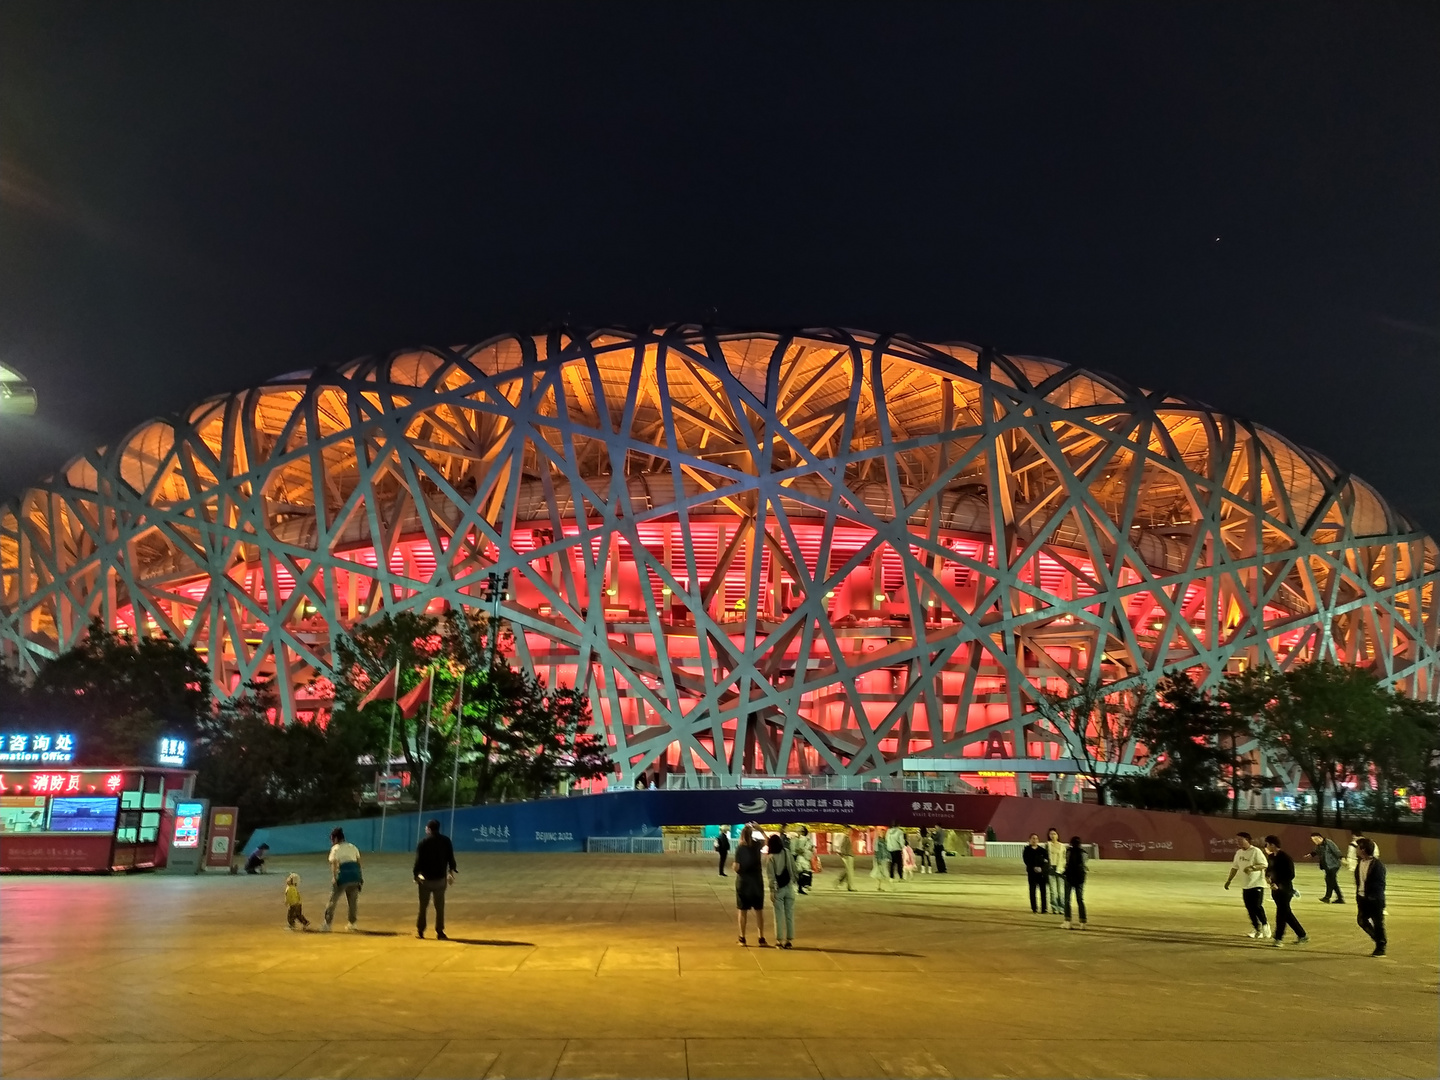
(778, 554)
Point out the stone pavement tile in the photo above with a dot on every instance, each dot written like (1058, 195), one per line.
(613, 1059)
(467, 958)
(855, 960)
(460, 1063)
(574, 959)
(627, 960)
(909, 1062)
(118, 1060)
(391, 1059)
(842, 1058)
(530, 1060)
(239, 1060)
(697, 958)
(783, 961)
(741, 1059)
(16, 1055)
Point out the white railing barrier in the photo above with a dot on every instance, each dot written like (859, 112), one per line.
(626, 845)
(1010, 849)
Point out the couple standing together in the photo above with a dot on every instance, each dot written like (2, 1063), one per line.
(783, 868)
(433, 871)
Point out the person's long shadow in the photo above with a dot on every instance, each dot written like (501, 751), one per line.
(1171, 937)
(377, 933)
(856, 952)
(488, 941)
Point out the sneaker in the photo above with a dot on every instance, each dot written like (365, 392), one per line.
(1065, 925)
(1379, 951)
(1265, 931)
(1253, 934)
(324, 928)
(1303, 940)
(351, 927)
(1278, 943)
(420, 934)
(1082, 926)
(440, 935)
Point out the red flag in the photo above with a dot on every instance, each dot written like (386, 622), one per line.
(410, 704)
(385, 688)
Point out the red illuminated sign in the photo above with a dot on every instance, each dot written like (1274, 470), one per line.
(62, 783)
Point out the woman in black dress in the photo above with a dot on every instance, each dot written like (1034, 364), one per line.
(749, 884)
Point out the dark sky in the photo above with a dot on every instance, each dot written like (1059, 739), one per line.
(1239, 202)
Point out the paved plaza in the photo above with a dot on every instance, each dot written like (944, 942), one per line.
(596, 965)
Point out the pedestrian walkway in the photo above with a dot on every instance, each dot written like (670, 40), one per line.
(619, 965)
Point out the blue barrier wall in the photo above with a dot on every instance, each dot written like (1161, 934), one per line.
(564, 824)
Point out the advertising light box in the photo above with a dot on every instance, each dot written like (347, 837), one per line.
(83, 814)
(189, 817)
(22, 813)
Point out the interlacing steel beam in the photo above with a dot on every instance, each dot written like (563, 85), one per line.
(807, 553)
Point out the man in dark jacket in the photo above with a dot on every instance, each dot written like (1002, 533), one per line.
(722, 847)
(1327, 854)
(1037, 872)
(1281, 873)
(434, 869)
(1370, 894)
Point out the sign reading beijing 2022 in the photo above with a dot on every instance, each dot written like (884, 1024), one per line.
(37, 748)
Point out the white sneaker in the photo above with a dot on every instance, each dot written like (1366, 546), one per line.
(351, 927)
(324, 928)
(1065, 925)
(1253, 934)
(1265, 931)
(1278, 944)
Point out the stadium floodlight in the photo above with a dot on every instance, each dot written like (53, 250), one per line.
(17, 396)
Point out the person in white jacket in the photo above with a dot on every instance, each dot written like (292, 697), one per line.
(802, 849)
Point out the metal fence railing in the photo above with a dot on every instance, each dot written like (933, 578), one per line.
(626, 845)
(1010, 849)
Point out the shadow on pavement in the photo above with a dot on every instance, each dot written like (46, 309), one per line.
(857, 952)
(486, 941)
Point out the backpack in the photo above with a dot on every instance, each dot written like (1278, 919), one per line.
(782, 877)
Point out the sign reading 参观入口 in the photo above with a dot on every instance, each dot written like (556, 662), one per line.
(37, 748)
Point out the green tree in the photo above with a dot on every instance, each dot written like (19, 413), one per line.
(1321, 715)
(1179, 730)
(411, 642)
(1099, 727)
(522, 739)
(276, 773)
(120, 695)
(1401, 748)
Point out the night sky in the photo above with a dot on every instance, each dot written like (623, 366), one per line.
(1235, 203)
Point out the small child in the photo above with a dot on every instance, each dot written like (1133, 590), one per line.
(293, 914)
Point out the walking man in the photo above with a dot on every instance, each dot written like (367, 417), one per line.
(1370, 893)
(1250, 863)
(1327, 854)
(722, 847)
(1037, 873)
(434, 870)
(846, 850)
(940, 850)
(1281, 873)
(895, 846)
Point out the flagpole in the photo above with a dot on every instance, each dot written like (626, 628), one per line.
(389, 748)
(425, 755)
(455, 778)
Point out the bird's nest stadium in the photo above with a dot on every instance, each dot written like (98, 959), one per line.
(816, 554)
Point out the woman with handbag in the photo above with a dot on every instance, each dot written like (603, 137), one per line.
(784, 874)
